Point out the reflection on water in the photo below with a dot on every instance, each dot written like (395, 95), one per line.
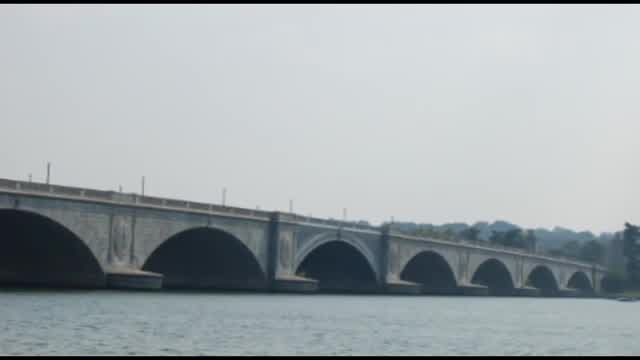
(197, 323)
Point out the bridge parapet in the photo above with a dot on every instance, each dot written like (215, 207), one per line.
(297, 218)
(32, 188)
(136, 199)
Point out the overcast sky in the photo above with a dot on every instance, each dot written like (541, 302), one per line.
(427, 113)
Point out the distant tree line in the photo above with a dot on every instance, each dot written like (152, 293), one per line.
(516, 238)
(589, 251)
(430, 232)
(631, 250)
(617, 282)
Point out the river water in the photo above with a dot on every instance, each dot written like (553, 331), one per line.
(39, 322)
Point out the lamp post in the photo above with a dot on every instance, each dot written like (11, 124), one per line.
(224, 196)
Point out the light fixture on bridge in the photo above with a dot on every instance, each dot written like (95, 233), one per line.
(224, 196)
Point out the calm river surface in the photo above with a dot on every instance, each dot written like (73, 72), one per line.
(139, 323)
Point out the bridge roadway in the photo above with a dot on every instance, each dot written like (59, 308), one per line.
(65, 236)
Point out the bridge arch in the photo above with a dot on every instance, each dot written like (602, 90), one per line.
(40, 251)
(206, 258)
(580, 281)
(337, 265)
(542, 278)
(495, 275)
(320, 239)
(432, 270)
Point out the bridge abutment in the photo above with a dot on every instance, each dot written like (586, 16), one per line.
(473, 290)
(133, 279)
(568, 292)
(403, 287)
(527, 292)
(294, 285)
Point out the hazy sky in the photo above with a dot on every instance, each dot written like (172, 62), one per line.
(427, 113)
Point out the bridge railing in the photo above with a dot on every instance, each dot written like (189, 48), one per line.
(124, 198)
(293, 217)
(132, 198)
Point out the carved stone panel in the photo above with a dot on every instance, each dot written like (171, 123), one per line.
(394, 258)
(286, 250)
(121, 239)
(463, 262)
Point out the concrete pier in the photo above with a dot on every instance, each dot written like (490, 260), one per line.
(404, 287)
(527, 292)
(133, 279)
(295, 285)
(474, 290)
(573, 293)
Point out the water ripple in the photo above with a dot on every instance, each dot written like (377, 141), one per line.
(121, 323)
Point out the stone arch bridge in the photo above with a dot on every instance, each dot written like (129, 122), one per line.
(65, 236)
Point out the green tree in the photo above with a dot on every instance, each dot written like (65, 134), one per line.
(448, 234)
(513, 238)
(571, 249)
(530, 240)
(470, 234)
(631, 235)
(424, 231)
(496, 237)
(509, 238)
(556, 252)
(592, 251)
